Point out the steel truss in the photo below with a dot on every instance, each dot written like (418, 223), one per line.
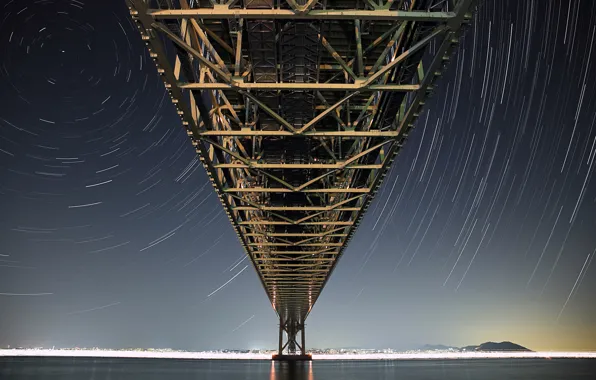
(292, 345)
(297, 109)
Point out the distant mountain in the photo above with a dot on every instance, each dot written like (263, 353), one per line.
(438, 347)
(487, 346)
(503, 346)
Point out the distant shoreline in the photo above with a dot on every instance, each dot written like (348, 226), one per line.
(260, 356)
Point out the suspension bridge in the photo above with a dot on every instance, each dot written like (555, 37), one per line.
(296, 109)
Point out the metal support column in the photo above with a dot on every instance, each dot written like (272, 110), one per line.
(303, 339)
(281, 336)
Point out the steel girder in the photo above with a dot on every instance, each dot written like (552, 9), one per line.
(297, 112)
(222, 11)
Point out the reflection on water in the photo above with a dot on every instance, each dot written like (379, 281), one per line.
(299, 370)
(42, 368)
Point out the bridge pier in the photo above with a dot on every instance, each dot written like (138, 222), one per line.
(295, 350)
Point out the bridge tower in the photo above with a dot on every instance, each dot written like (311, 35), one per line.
(295, 348)
(296, 109)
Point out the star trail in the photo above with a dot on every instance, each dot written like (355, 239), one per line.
(484, 228)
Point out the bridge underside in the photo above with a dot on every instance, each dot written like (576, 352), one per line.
(297, 108)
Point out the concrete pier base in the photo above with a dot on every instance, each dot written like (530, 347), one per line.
(292, 358)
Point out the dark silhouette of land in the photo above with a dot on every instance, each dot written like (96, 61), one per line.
(486, 346)
(493, 346)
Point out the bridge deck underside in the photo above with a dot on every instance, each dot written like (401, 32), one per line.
(297, 109)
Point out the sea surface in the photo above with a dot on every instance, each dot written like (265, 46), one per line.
(34, 368)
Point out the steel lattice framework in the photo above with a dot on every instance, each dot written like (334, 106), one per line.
(297, 108)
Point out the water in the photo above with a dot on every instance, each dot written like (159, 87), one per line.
(34, 368)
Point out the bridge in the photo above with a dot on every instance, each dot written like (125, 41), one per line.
(297, 108)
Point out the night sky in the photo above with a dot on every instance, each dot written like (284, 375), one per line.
(111, 236)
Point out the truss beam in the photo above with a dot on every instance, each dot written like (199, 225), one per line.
(223, 12)
(288, 86)
(285, 190)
